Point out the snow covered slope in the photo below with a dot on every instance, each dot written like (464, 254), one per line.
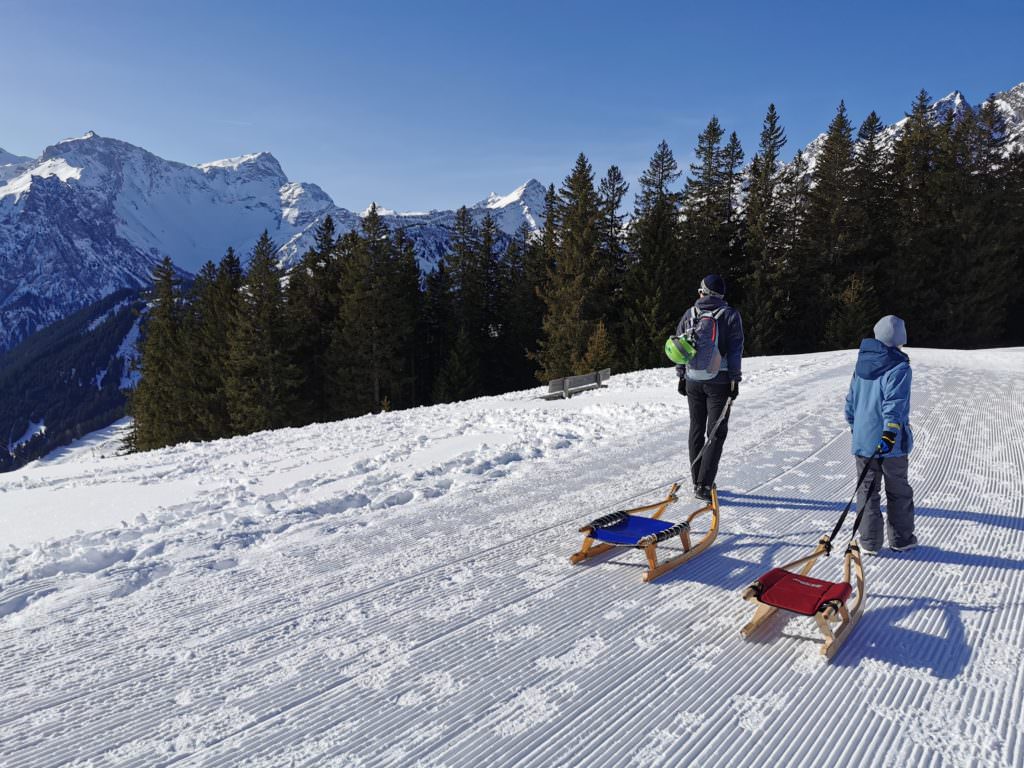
(394, 590)
(93, 214)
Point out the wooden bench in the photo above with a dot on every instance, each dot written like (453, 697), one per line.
(571, 385)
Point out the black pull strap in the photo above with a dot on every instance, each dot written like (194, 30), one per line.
(714, 431)
(860, 512)
(846, 511)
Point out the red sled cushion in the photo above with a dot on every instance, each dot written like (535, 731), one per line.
(800, 594)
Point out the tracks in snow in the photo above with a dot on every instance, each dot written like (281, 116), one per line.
(502, 651)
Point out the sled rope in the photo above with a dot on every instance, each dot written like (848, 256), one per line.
(860, 512)
(714, 431)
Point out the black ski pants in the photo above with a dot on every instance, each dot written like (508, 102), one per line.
(706, 399)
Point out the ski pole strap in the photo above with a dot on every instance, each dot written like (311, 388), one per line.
(846, 511)
(714, 431)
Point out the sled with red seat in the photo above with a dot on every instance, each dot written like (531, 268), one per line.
(629, 528)
(835, 605)
(829, 602)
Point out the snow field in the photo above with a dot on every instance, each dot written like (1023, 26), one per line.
(395, 590)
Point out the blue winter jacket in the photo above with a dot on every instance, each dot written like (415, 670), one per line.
(730, 338)
(879, 399)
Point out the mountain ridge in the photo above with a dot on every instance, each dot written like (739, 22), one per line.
(93, 214)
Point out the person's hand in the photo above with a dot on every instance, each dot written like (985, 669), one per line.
(734, 390)
(888, 442)
(682, 386)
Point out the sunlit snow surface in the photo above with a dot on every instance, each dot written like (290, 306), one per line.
(395, 589)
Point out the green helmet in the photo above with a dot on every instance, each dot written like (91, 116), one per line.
(679, 350)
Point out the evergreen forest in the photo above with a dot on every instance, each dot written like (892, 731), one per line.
(813, 251)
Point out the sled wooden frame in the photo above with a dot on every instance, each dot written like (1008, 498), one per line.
(828, 614)
(591, 547)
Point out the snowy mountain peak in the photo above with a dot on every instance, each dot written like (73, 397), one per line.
(527, 194)
(94, 214)
(256, 164)
(952, 104)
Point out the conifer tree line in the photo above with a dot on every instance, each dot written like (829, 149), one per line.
(930, 228)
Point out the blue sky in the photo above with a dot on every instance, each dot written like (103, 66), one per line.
(419, 105)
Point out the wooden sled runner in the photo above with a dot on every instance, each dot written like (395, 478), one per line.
(827, 601)
(627, 528)
(797, 592)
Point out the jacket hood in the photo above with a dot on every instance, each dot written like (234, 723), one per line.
(710, 303)
(876, 359)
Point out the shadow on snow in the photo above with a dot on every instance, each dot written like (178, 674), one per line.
(944, 655)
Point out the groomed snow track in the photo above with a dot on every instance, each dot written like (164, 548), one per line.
(411, 603)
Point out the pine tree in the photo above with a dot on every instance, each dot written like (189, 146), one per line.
(577, 289)
(203, 357)
(914, 273)
(600, 352)
(371, 358)
(310, 307)
(767, 299)
(980, 261)
(262, 381)
(652, 293)
(157, 405)
(549, 240)
(493, 331)
(353, 373)
(522, 272)
(403, 311)
(471, 261)
(869, 233)
(705, 207)
(1011, 235)
(731, 263)
(612, 252)
(827, 228)
(854, 313)
(437, 329)
(457, 379)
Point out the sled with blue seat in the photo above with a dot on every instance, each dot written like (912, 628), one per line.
(630, 528)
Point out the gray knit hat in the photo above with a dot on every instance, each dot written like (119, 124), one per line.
(891, 331)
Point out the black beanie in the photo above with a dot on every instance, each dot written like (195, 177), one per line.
(714, 285)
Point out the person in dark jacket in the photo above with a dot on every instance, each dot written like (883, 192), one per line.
(707, 392)
(878, 412)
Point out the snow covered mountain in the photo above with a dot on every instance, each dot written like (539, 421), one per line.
(1010, 104)
(93, 214)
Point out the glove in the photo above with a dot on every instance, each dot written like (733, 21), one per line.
(734, 390)
(888, 442)
(682, 386)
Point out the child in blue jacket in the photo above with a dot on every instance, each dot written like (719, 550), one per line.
(878, 412)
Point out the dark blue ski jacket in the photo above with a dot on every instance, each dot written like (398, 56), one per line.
(879, 399)
(730, 338)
